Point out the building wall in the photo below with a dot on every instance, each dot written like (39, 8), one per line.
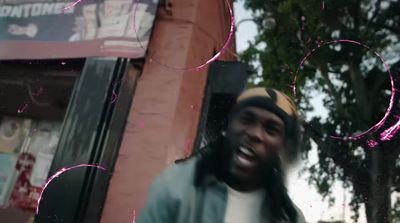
(165, 112)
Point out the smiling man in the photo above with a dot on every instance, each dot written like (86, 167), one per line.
(239, 178)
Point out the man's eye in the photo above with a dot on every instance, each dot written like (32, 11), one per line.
(272, 130)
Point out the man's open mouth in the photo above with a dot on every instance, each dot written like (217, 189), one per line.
(245, 156)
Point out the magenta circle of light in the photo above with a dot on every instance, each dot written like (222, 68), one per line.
(212, 59)
(382, 121)
(57, 174)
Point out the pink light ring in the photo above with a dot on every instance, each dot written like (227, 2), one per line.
(313, 51)
(228, 41)
(377, 126)
(212, 59)
(58, 173)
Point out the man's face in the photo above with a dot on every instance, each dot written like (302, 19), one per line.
(255, 136)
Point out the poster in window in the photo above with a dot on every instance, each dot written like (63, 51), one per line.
(41, 169)
(44, 137)
(7, 176)
(24, 195)
(13, 131)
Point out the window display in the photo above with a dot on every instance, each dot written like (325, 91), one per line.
(7, 176)
(34, 101)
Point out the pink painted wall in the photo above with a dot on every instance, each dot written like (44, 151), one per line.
(163, 120)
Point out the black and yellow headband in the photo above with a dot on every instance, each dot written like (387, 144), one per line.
(278, 103)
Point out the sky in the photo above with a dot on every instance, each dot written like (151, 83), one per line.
(303, 195)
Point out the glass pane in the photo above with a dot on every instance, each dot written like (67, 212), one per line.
(34, 98)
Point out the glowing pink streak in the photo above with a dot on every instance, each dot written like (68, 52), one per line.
(231, 31)
(323, 5)
(114, 97)
(186, 150)
(58, 173)
(134, 216)
(71, 5)
(141, 124)
(215, 57)
(39, 92)
(372, 143)
(22, 109)
(382, 121)
(390, 132)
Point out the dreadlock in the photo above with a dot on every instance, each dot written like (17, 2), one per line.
(283, 207)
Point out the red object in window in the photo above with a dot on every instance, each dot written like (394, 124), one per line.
(24, 195)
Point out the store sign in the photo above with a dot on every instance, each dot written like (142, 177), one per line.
(42, 29)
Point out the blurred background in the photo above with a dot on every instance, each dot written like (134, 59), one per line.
(343, 89)
(134, 85)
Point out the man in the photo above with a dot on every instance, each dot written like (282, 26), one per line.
(239, 177)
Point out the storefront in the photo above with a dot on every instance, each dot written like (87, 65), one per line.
(48, 121)
(113, 102)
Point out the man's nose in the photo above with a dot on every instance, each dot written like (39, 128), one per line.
(255, 133)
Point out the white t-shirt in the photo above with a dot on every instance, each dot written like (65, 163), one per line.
(244, 207)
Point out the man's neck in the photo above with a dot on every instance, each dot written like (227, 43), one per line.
(242, 186)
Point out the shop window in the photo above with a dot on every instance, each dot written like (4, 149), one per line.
(34, 97)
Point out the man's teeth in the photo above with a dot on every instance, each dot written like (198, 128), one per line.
(246, 151)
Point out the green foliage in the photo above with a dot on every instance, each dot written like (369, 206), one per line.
(352, 78)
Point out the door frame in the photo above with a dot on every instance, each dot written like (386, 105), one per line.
(91, 134)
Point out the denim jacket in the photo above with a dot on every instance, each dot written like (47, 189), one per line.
(177, 196)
